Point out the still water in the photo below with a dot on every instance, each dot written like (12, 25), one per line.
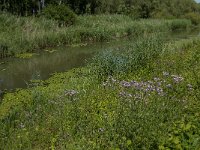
(16, 72)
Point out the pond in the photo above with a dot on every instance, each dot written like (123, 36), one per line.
(17, 72)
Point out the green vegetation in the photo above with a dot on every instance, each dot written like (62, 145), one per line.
(194, 17)
(144, 98)
(19, 34)
(50, 25)
(25, 55)
(61, 13)
(135, 8)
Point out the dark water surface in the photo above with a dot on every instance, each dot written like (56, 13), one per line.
(16, 72)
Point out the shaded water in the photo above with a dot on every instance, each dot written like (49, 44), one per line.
(16, 73)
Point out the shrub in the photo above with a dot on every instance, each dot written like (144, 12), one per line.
(194, 17)
(61, 13)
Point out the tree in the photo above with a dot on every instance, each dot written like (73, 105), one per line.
(140, 8)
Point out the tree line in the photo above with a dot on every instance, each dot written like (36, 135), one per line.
(136, 8)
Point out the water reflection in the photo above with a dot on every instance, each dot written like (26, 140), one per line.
(16, 73)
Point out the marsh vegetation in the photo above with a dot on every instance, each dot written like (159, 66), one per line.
(141, 94)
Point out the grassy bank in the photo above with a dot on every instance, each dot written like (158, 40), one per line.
(144, 98)
(22, 34)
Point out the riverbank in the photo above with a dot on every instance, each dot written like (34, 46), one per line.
(30, 34)
(144, 98)
(18, 72)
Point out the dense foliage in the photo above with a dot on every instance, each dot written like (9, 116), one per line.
(136, 8)
(61, 13)
(194, 17)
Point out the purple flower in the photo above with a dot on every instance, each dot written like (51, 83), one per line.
(151, 87)
(137, 85)
(159, 83)
(177, 79)
(126, 84)
(133, 82)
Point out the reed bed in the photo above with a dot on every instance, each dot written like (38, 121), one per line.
(28, 34)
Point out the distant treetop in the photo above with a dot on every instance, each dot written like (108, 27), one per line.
(135, 8)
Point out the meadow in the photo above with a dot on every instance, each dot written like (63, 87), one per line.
(143, 96)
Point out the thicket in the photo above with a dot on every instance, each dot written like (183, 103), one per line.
(194, 17)
(60, 13)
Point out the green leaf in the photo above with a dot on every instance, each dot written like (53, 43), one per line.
(176, 140)
(188, 126)
(128, 142)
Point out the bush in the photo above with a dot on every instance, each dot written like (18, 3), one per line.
(61, 13)
(194, 17)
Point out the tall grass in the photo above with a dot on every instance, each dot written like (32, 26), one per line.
(130, 58)
(20, 34)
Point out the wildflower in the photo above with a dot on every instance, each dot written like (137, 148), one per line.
(126, 84)
(165, 73)
(156, 79)
(169, 86)
(101, 129)
(104, 83)
(159, 83)
(190, 87)
(137, 85)
(71, 92)
(124, 94)
(129, 95)
(113, 80)
(151, 87)
(133, 82)
(22, 125)
(177, 79)
(159, 91)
